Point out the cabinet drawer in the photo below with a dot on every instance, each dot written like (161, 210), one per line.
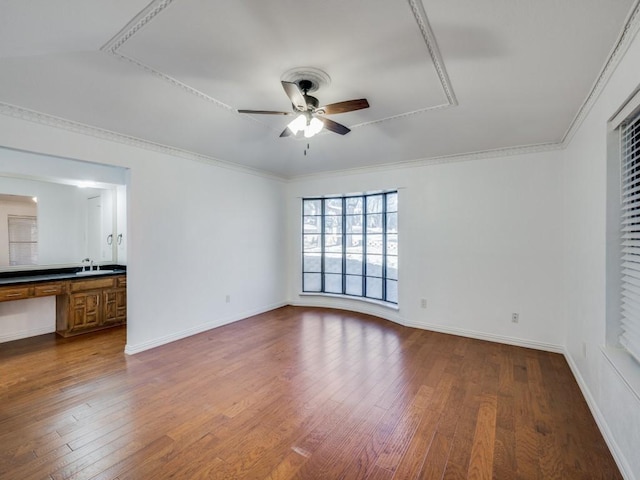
(14, 293)
(49, 289)
(121, 282)
(94, 284)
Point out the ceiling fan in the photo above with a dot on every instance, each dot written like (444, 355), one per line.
(307, 111)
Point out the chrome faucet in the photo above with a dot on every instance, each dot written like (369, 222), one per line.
(86, 260)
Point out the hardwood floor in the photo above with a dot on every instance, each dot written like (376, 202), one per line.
(297, 393)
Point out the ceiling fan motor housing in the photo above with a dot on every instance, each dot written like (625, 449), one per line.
(309, 79)
(312, 102)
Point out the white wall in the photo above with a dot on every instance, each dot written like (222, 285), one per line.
(615, 406)
(195, 232)
(479, 240)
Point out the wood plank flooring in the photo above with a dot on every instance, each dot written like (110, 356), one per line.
(296, 393)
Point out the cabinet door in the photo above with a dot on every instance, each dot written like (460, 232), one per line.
(115, 306)
(121, 305)
(85, 310)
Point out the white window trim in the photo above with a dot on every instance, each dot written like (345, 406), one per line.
(623, 363)
(629, 134)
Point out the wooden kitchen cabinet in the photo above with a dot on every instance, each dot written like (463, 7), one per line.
(115, 306)
(31, 290)
(92, 304)
(85, 311)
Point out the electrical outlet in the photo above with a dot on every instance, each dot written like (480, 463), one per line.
(423, 303)
(228, 299)
(515, 317)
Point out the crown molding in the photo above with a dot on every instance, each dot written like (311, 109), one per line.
(420, 15)
(135, 24)
(158, 6)
(103, 134)
(175, 82)
(425, 162)
(630, 30)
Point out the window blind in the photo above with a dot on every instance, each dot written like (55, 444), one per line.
(630, 235)
(23, 240)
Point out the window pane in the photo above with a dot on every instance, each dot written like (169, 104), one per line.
(392, 244)
(311, 262)
(354, 243)
(332, 225)
(392, 291)
(392, 223)
(333, 243)
(333, 206)
(374, 244)
(392, 267)
(311, 243)
(332, 283)
(374, 287)
(354, 223)
(311, 224)
(374, 265)
(354, 264)
(374, 223)
(354, 285)
(374, 204)
(354, 205)
(311, 207)
(392, 202)
(333, 263)
(311, 282)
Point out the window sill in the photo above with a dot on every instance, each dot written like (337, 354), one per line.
(380, 303)
(626, 368)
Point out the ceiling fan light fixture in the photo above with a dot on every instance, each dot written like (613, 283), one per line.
(297, 124)
(307, 124)
(297, 86)
(313, 128)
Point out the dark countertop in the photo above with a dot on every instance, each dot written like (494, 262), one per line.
(55, 274)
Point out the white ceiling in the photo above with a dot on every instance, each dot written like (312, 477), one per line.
(443, 77)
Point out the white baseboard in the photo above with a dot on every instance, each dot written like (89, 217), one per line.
(352, 306)
(619, 458)
(203, 327)
(9, 337)
(394, 316)
(490, 337)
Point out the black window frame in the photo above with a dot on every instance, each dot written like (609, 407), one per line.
(325, 252)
